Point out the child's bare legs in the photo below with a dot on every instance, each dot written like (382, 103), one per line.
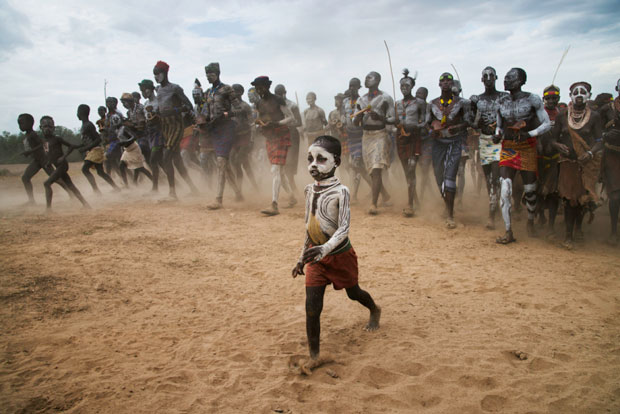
(363, 297)
(314, 307)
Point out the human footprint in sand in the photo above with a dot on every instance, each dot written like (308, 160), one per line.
(327, 251)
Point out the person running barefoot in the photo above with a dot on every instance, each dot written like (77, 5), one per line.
(327, 253)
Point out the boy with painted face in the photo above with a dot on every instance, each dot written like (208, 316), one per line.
(327, 251)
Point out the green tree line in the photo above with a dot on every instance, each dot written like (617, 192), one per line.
(12, 145)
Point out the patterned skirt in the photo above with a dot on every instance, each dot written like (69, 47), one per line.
(521, 156)
(489, 152)
(172, 130)
(277, 141)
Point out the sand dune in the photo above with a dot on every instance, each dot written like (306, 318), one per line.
(139, 306)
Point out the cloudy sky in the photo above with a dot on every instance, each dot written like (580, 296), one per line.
(55, 55)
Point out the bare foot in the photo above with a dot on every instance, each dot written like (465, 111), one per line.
(292, 202)
(506, 238)
(450, 223)
(307, 367)
(408, 212)
(214, 206)
(373, 322)
(531, 230)
(271, 211)
(490, 224)
(568, 244)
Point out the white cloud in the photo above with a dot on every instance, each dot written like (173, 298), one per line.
(59, 55)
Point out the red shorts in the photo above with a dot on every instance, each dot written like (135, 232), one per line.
(339, 269)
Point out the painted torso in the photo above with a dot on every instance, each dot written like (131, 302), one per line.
(114, 122)
(327, 213)
(454, 110)
(220, 100)
(379, 102)
(350, 106)
(171, 99)
(410, 113)
(486, 111)
(521, 107)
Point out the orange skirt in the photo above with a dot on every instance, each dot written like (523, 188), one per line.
(521, 156)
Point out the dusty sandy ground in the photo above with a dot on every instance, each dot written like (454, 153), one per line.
(139, 306)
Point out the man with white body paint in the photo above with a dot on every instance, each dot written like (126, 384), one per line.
(327, 252)
(375, 110)
(410, 118)
(485, 119)
(521, 118)
(274, 116)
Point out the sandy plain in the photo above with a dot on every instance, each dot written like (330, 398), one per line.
(139, 306)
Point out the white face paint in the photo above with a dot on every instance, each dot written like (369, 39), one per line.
(579, 92)
(320, 162)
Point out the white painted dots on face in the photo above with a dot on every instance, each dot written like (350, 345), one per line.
(320, 160)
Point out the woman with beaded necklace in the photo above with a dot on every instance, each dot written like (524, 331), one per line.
(577, 136)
